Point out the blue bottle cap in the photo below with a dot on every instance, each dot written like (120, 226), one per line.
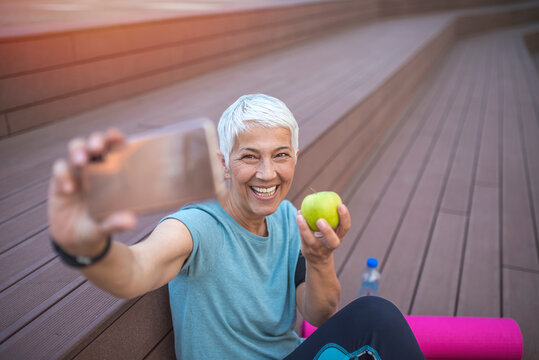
(372, 262)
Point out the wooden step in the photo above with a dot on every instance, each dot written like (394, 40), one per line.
(47, 74)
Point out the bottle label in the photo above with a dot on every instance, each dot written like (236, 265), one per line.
(369, 288)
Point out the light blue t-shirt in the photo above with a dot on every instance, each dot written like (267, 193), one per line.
(234, 298)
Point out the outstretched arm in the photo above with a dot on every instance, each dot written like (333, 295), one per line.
(124, 271)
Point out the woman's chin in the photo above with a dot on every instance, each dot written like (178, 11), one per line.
(264, 206)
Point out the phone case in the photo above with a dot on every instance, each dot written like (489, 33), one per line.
(161, 169)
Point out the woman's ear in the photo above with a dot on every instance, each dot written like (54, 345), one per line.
(221, 158)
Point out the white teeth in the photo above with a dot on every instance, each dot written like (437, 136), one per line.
(264, 191)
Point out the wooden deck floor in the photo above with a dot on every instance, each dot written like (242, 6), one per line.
(450, 202)
(38, 294)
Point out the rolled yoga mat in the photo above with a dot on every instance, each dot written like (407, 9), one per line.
(445, 337)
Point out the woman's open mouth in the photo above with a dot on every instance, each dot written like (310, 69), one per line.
(264, 193)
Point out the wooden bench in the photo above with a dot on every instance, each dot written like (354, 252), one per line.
(531, 38)
(344, 111)
(81, 62)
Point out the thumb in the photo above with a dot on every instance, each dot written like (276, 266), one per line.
(120, 221)
(332, 241)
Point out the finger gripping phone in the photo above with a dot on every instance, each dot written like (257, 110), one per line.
(157, 170)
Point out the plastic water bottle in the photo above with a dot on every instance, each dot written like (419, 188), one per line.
(370, 278)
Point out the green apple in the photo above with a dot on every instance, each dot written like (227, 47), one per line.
(321, 205)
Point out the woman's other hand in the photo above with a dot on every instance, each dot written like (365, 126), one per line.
(71, 225)
(318, 247)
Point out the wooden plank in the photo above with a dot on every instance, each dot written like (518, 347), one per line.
(411, 236)
(437, 290)
(377, 236)
(438, 282)
(49, 84)
(32, 296)
(518, 234)
(3, 125)
(120, 38)
(70, 80)
(359, 145)
(164, 350)
(364, 191)
(135, 332)
(38, 290)
(23, 227)
(478, 20)
(18, 57)
(89, 44)
(374, 79)
(24, 258)
(16, 205)
(14, 183)
(342, 130)
(531, 38)
(488, 166)
(529, 61)
(520, 302)
(527, 97)
(459, 184)
(481, 263)
(53, 334)
(479, 292)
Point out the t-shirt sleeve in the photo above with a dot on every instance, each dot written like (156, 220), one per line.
(295, 243)
(299, 276)
(206, 234)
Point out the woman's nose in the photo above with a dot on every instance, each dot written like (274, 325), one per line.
(266, 170)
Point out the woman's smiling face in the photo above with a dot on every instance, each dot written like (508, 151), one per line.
(262, 164)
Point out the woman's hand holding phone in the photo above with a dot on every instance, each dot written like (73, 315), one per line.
(71, 225)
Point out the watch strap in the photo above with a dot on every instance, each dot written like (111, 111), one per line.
(80, 261)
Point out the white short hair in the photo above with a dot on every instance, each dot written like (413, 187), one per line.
(257, 110)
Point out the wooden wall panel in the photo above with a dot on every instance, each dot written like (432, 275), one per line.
(135, 333)
(52, 69)
(94, 60)
(532, 40)
(34, 54)
(3, 125)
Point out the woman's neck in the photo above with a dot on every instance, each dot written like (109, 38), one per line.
(252, 223)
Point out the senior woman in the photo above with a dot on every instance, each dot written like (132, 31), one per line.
(237, 267)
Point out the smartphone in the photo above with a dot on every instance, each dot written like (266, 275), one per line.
(157, 170)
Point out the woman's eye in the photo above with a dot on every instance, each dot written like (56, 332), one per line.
(248, 157)
(282, 155)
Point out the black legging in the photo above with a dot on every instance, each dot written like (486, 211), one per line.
(368, 323)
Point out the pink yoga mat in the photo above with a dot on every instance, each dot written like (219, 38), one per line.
(443, 337)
